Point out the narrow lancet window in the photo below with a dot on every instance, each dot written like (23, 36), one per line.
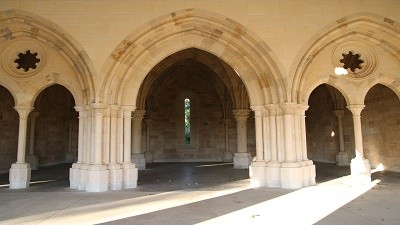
(187, 121)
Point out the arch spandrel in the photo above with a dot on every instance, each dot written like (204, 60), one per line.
(367, 30)
(213, 33)
(31, 28)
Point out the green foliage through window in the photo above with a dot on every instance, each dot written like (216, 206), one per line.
(187, 121)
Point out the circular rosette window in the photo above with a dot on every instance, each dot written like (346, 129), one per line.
(357, 58)
(23, 58)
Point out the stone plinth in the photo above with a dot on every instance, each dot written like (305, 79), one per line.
(97, 178)
(258, 174)
(308, 173)
(360, 171)
(74, 175)
(32, 160)
(20, 175)
(139, 160)
(129, 175)
(342, 159)
(115, 177)
(273, 172)
(82, 176)
(291, 175)
(242, 160)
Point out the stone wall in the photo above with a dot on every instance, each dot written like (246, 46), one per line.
(55, 106)
(284, 25)
(207, 127)
(8, 130)
(381, 127)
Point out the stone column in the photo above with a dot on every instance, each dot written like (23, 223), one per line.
(342, 158)
(115, 171)
(129, 170)
(20, 172)
(69, 156)
(273, 169)
(75, 170)
(308, 165)
(291, 171)
(97, 174)
(257, 170)
(137, 154)
(106, 136)
(227, 155)
(242, 158)
(148, 154)
(31, 158)
(359, 166)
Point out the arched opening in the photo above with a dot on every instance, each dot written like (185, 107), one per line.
(188, 97)
(380, 121)
(53, 130)
(329, 127)
(8, 130)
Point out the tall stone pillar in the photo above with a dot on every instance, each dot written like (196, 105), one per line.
(257, 170)
(308, 165)
(291, 171)
(342, 158)
(137, 154)
(129, 170)
(75, 170)
(242, 158)
(31, 158)
(227, 154)
(273, 169)
(359, 166)
(20, 172)
(115, 171)
(148, 154)
(97, 174)
(69, 156)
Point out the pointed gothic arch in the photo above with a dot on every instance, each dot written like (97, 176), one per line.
(18, 25)
(137, 54)
(374, 34)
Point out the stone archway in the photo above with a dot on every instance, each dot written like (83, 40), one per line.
(356, 34)
(58, 59)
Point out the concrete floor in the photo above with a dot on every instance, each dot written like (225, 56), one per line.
(203, 193)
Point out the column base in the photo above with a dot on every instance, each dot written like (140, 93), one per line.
(242, 160)
(273, 172)
(69, 157)
(115, 174)
(83, 174)
(292, 175)
(97, 178)
(129, 175)
(258, 174)
(149, 157)
(227, 156)
(33, 161)
(309, 173)
(360, 171)
(342, 159)
(20, 175)
(139, 160)
(74, 175)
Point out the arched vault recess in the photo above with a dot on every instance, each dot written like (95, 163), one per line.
(315, 63)
(220, 76)
(135, 56)
(17, 25)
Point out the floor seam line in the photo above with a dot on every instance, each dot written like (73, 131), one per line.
(55, 213)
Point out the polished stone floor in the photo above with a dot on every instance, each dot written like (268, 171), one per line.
(203, 193)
